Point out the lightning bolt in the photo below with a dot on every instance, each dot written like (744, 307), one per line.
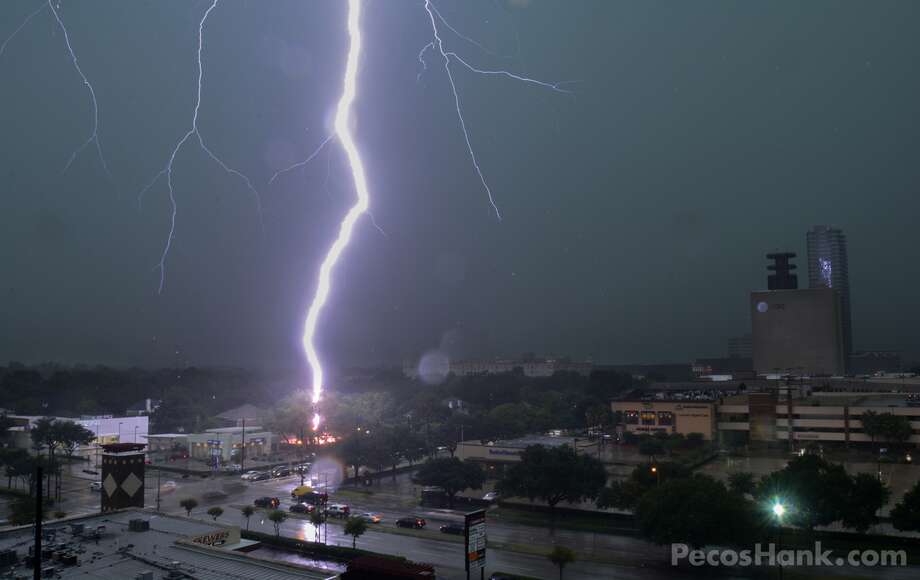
(94, 134)
(343, 132)
(21, 26)
(447, 57)
(168, 170)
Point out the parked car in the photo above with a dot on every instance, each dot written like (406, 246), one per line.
(168, 487)
(249, 475)
(492, 496)
(338, 510)
(302, 508)
(453, 528)
(95, 486)
(267, 502)
(261, 476)
(282, 471)
(411, 522)
(371, 517)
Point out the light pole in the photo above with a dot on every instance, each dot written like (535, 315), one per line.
(135, 433)
(119, 431)
(779, 510)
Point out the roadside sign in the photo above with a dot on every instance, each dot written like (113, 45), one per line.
(475, 533)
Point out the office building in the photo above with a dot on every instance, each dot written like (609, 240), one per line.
(796, 331)
(828, 268)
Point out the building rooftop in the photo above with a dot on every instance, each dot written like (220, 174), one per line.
(120, 554)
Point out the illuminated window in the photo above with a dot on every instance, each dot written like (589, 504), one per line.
(631, 417)
(648, 417)
(665, 418)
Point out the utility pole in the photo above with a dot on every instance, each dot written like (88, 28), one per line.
(158, 488)
(37, 549)
(243, 449)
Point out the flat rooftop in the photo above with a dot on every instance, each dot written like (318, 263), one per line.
(522, 442)
(120, 554)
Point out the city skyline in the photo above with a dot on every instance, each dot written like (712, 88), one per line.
(626, 236)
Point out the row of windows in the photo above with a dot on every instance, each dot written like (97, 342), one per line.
(663, 418)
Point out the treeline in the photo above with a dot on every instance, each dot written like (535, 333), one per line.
(191, 396)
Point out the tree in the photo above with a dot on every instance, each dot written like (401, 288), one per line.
(188, 504)
(697, 510)
(905, 516)
(651, 447)
(561, 556)
(867, 496)
(247, 511)
(625, 495)
(277, 518)
(215, 512)
(22, 511)
(554, 474)
(886, 426)
(742, 483)
(71, 435)
(355, 527)
(817, 491)
(450, 474)
(353, 451)
(5, 424)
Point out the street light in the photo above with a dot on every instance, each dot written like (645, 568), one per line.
(779, 510)
(135, 433)
(119, 431)
(657, 475)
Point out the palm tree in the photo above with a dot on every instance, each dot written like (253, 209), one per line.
(247, 510)
(561, 556)
(277, 517)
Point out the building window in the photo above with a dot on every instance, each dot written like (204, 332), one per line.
(631, 417)
(648, 417)
(665, 418)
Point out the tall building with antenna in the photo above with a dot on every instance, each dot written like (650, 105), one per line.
(828, 268)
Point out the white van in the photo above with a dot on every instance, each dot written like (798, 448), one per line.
(338, 510)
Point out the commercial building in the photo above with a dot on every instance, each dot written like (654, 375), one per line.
(649, 417)
(225, 444)
(828, 268)
(106, 428)
(141, 545)
(497, 454)
(769, 417)
(797, 331)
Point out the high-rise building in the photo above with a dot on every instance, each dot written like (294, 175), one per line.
(827, 268)
(782, 277)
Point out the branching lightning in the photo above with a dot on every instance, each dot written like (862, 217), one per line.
(343, 131)
(21, 26)
(447, 57)
(168, 170)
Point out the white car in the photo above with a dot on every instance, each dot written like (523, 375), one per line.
(491, 496)
(168, 487)
(249, 475)
(95, 486)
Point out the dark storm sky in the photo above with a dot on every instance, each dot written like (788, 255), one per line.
(703, 135)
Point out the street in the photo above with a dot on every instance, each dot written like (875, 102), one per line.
(513, 547)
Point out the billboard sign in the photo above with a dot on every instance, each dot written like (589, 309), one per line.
(475, 533)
